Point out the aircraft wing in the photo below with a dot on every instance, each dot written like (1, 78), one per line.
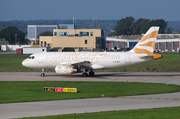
(82, 64)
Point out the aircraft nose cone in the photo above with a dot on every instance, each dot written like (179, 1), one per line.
(24, 63)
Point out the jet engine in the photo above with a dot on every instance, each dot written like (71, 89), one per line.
(65, 70)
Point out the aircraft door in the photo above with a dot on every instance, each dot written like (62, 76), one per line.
(127, 58)
(41, 55)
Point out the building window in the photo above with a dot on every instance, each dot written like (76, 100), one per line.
(84, 33)
(166, 46)
(63, 27)
(173, 45)
(112, 44)
(85, 41)
(118, 44)
(123, 44)
(55, 33)
(159, 47)
(41, 43)
(44, 43)
(64, 33)
(91, 33)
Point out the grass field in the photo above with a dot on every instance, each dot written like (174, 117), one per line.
(157, 113)
(23, 91)
(169, 63)
(13, 62)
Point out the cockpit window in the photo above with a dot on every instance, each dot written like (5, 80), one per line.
(31, 57)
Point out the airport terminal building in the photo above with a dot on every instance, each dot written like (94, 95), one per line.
(164, 43)
(79, 39)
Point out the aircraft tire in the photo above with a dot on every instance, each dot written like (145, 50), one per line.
(42, 74)
(84, 75)
(91, 74)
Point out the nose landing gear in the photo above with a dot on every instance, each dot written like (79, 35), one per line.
(42, 74)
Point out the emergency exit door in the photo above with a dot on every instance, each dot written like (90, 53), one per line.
(127, 58)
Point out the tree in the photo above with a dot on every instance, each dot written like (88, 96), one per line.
(168, 31)
(124, 26)
(13, 35)
(46, 33)
(140, 26)
(159, 22)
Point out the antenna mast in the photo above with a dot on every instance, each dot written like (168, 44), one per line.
(93, 22)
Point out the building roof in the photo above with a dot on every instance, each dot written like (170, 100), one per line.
(136, 40)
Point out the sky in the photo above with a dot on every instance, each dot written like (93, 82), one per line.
(169, 10)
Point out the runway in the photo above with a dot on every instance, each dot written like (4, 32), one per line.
(44, 108)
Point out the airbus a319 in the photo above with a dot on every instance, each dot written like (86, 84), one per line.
(85, 62)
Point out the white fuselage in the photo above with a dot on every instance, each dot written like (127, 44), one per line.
(98, 60)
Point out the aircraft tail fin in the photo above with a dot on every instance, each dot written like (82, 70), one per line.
(147, 43)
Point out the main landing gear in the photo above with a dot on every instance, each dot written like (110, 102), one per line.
(91, 73)
(84, 74)
(42, 74)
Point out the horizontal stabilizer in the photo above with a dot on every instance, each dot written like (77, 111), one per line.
(152, 56)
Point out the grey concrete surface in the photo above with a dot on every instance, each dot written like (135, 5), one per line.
(10, 52)
(153, 77)
(44, 108)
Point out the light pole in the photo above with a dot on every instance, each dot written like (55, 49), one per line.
(15, 38)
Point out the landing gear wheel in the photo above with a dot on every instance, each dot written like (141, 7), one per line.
(84, 75)
(42, 74)
(91, 73)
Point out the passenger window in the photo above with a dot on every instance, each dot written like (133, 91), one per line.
(32, 57)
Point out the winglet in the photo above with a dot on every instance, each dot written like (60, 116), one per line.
(147, 43)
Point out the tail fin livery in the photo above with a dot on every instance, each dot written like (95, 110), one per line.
(147, 43)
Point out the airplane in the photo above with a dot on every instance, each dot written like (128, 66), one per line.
(66, 63)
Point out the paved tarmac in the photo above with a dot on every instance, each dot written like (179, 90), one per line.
(153, 77)
(8, 52)
(44, 108)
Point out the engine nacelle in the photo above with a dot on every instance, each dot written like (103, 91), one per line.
(65, 70)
